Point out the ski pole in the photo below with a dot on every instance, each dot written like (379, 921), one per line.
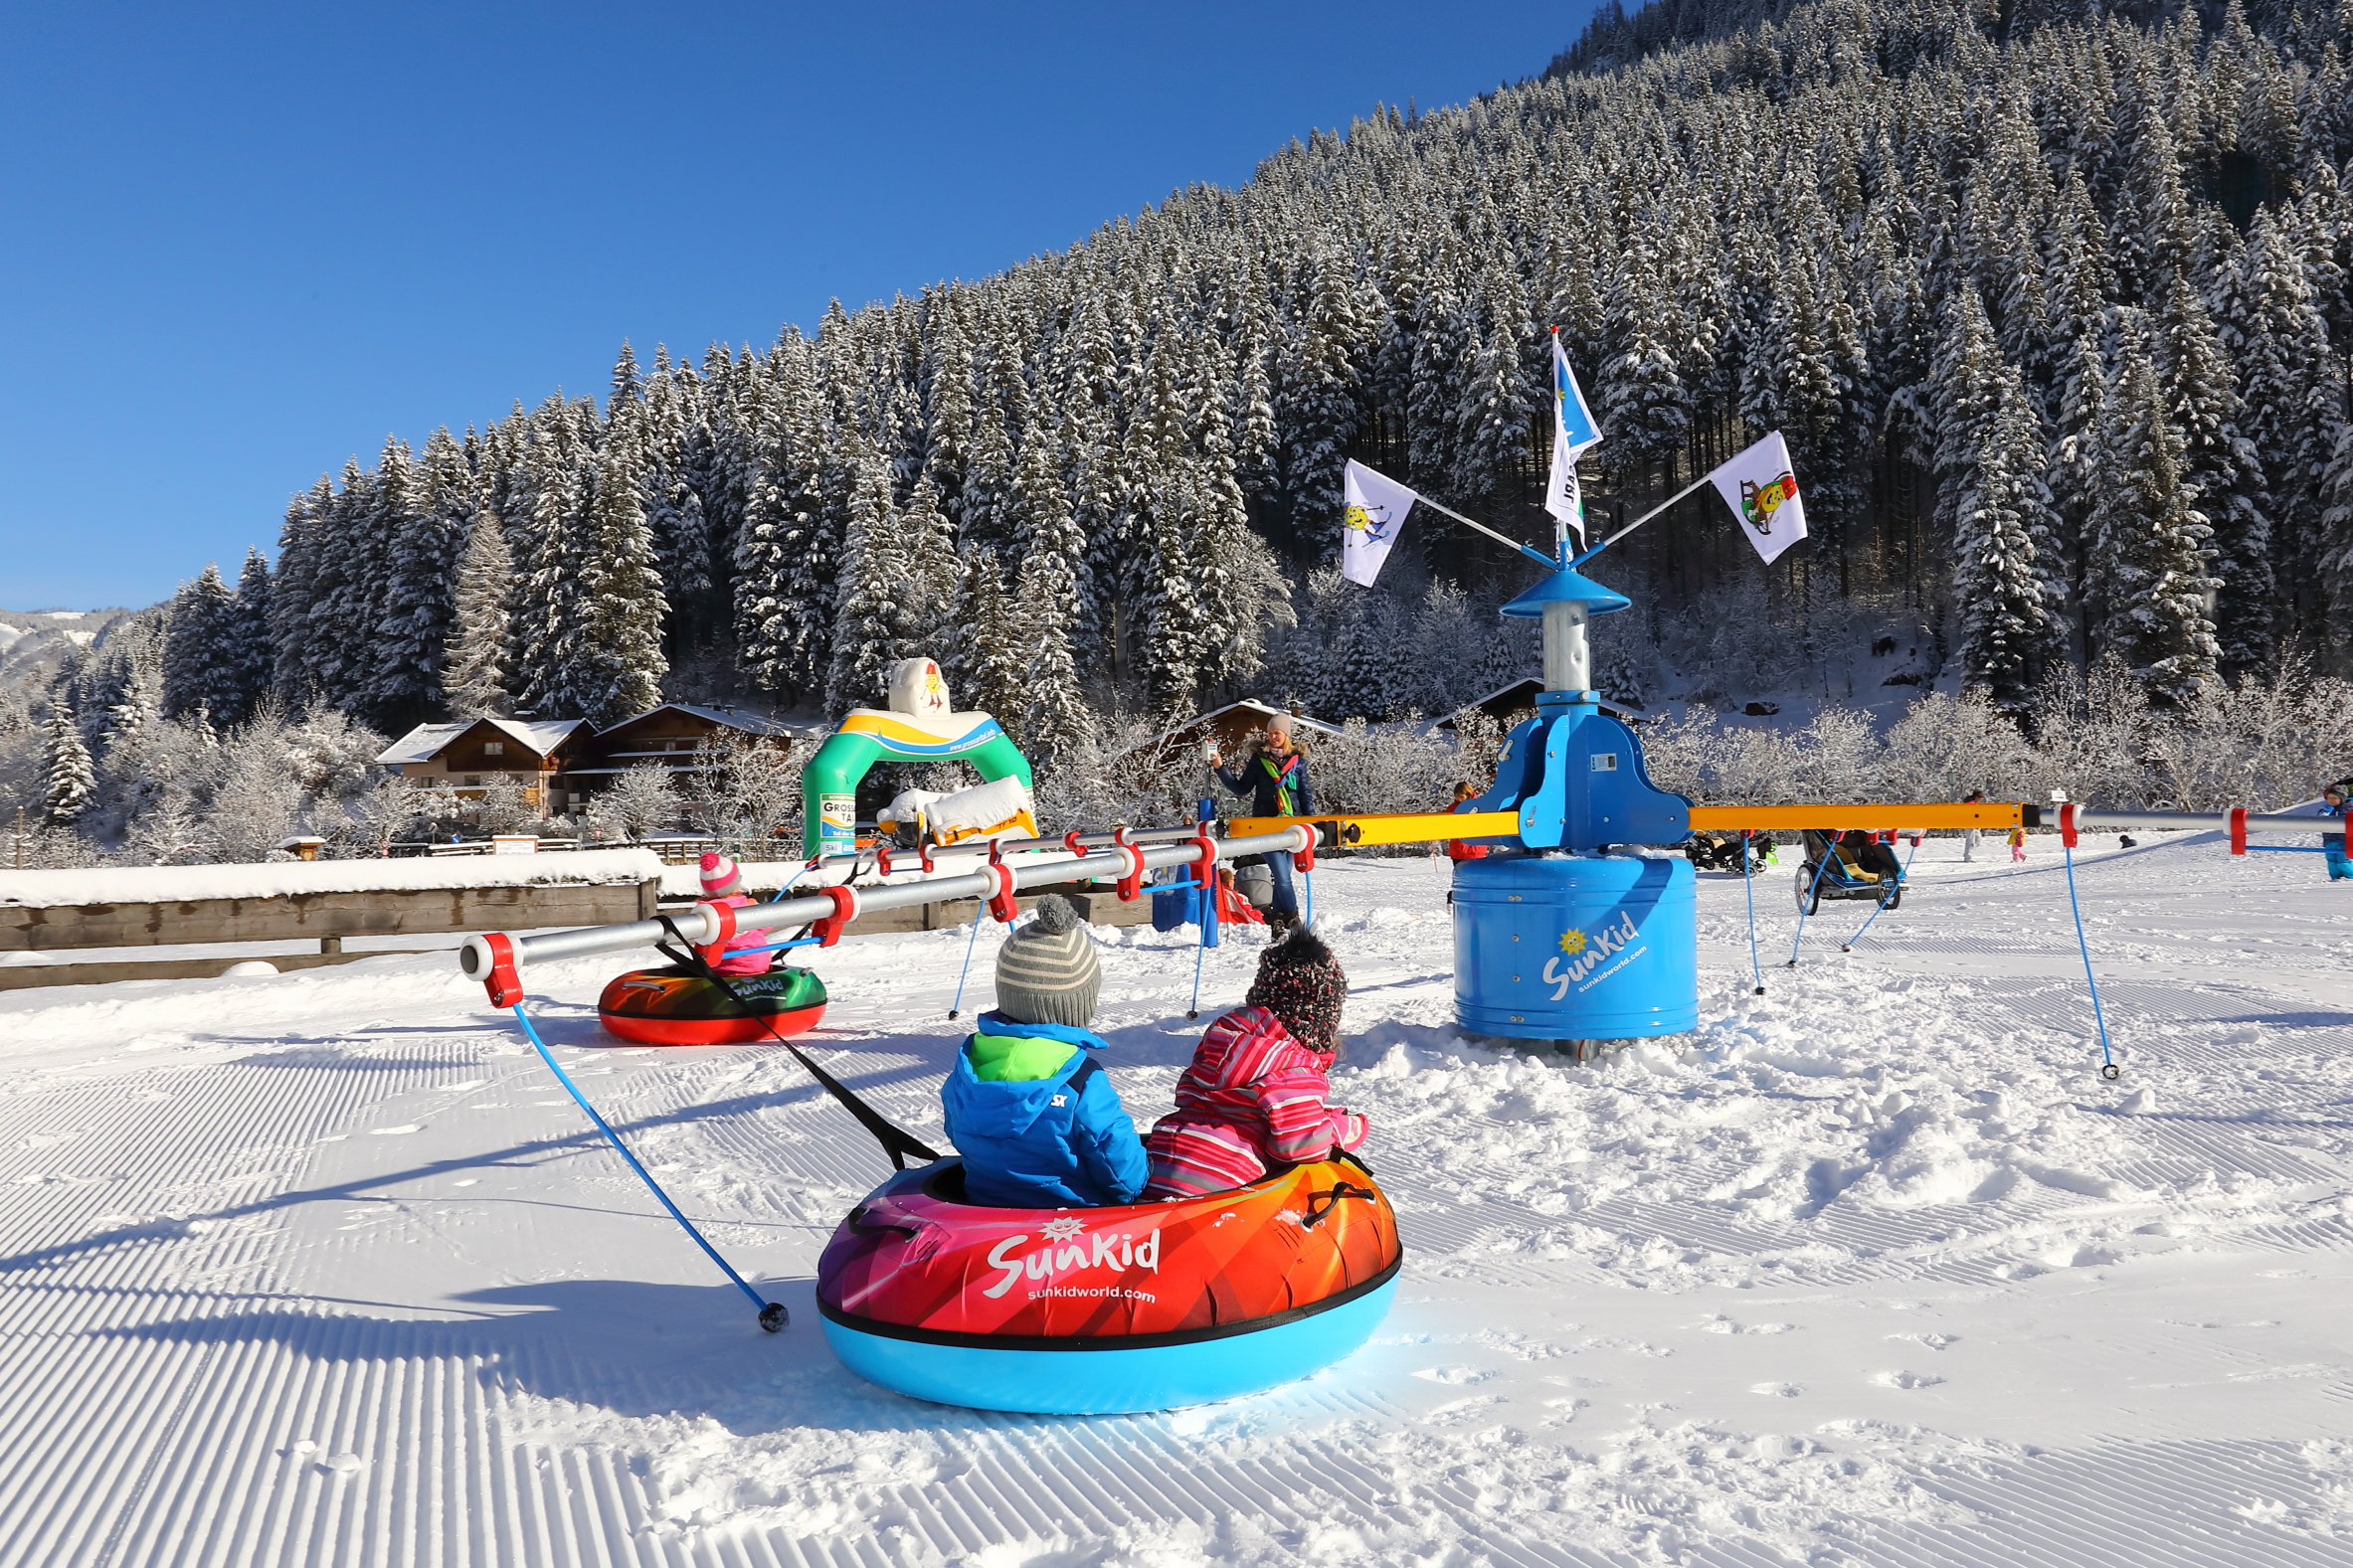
(957, 1005)
(1885, 898)
(772, 1315)
(1748, 886)
(2107, 1061)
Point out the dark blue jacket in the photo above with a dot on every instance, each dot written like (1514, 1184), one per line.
(1044, 1143)
(1252, 779)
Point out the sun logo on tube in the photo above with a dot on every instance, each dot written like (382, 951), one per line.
(1572, 942)
(1061, 1229)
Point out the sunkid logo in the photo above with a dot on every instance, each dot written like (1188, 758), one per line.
(1591, 953)
(1066, 1252)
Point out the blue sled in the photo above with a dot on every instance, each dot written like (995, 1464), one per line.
(1113, 1382)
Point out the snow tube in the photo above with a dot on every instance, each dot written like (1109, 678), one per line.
(1104, 1311)
(676, 1006)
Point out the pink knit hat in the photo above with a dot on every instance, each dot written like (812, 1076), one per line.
(721, 875)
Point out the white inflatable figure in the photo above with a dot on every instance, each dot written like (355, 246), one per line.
(918, 690)
(1000, 809)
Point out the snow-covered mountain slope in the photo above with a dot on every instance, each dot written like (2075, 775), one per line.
(1874, 1269)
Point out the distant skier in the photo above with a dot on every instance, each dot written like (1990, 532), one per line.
(1970, 835)
(2018, 844)
(2332, 804)
(1275, 779)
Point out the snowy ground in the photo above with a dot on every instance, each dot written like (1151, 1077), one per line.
(322, 1269)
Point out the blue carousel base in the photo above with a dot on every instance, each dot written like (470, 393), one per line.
(1112, 1382)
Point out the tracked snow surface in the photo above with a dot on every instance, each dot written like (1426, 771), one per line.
(322, 1269)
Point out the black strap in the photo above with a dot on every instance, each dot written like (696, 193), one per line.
(896, 1142)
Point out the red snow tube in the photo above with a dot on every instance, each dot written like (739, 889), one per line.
(676, 1006)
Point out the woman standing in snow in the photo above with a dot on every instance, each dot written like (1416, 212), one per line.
(1275, 779)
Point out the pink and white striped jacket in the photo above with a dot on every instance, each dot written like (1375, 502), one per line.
(1252, 1097)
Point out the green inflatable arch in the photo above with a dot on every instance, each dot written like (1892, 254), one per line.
(829, 783)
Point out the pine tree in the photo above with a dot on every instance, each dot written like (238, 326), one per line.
(255, 652)
(202, 664)
(69, 779)
(2001, 575)
(866, 614)
(2149, 561)
(997, 646)
(2223, 476)
(617, 663)
(474, 663)
(419, 595)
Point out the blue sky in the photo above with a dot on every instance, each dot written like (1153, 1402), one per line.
(246, 243)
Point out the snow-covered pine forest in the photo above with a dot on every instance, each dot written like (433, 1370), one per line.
(2051, 302)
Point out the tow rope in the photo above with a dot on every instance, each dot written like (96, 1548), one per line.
(896, 1142)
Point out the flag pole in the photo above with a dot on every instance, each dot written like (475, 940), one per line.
(1639, 521)
(1551, 563)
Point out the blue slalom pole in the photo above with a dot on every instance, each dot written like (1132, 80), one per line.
(772, 1315)
(957, 1005)
(1748, 886)
(1205, 878)
(1848, 946)
(1804, 909)
(2107, 1061)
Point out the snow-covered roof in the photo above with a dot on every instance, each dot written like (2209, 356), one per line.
(185, 884)
(426, 741)
(750, 723)
(1532, 685)
(1255, 706)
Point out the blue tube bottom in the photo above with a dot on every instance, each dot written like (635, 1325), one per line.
(1112, 1382)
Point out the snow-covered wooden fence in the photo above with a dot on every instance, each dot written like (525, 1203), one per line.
(78, 921)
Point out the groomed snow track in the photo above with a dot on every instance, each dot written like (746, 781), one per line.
(322, 1270)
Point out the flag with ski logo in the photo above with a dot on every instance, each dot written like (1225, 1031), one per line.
(1761, 490)
(1573, 431)
(1377, 508)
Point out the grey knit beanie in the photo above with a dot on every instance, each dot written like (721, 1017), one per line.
(1048, 972)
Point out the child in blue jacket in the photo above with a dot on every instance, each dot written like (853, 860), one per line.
(2332, 804)
(1028, 1107)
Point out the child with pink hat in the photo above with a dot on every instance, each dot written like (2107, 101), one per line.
(723, 883)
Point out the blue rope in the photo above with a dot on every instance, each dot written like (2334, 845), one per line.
(2284, 849)
(1885, 899)
(778, 947)
(2107, 1060)
(1307, 880)
(957, 1005)
(1828, 849)
(1748, 886)
(765, 1307)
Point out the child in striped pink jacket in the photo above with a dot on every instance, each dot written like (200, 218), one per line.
(1256, 1092)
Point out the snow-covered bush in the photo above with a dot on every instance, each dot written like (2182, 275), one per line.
(748, 790)
(643, 799)
(1120, 771)
(1383, 767)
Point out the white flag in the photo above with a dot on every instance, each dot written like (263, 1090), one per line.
(1760, 489)
(1377, 508)
(1573, 431)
